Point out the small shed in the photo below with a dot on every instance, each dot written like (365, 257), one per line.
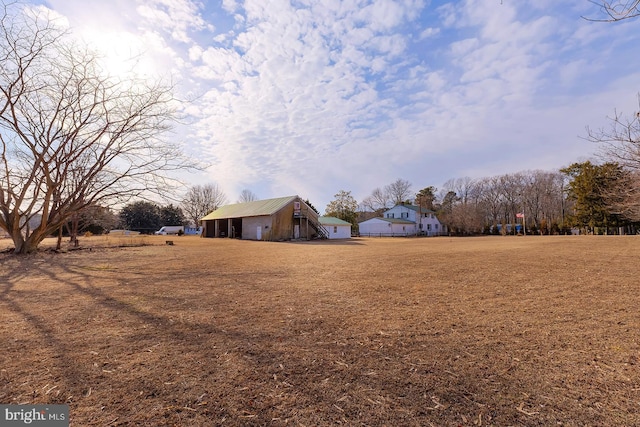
(336, 228)
(282, 218)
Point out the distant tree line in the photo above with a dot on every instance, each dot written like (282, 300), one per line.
(576, 197)
(594, 198)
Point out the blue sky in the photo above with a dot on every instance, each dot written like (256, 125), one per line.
(312, 97)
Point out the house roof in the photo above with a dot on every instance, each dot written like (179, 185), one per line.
(416, 208)
(256, 208)
(390, 220)
(332, 220)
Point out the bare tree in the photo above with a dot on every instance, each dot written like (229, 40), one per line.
(620, 144)
(460, 207)
(202, 199)
(97, 218)
(623, 198)
(512, 189)
(463, 187)
(398, 191)
(491, 199)
(70, 136)
(378, 201)
(543, 200)
(247, 196)
(617, 10)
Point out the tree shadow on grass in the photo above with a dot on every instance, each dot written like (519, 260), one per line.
(82, 371)
(132, 351)
(143, 365)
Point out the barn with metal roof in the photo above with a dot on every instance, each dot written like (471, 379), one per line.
(283, 218)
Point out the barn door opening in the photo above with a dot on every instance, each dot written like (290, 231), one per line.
(236, 231)
(259, 232)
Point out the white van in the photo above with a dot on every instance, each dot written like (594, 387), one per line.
(170, 229)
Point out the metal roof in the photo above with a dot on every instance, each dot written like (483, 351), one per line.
(391, 220)
(416, 208)
(332, 220)
(256, 208)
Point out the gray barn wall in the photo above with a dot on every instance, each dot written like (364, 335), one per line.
(250, 225)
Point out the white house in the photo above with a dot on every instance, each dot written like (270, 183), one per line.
(403, 220)
(336, 228)
(389, 227)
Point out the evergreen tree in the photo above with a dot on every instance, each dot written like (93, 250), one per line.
(589, 187)
(141, 216)
(172, 215)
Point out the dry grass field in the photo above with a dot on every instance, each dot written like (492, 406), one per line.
(524, 331)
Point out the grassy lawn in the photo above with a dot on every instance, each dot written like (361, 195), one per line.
(396, 332)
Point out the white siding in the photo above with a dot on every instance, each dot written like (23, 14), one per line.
(401, 212)
(339, 231)
(374, 226)
(403, 220)
(430, 224)
(378, 227)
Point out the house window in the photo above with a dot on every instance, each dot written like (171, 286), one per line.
(429, 227)
(436, 226)
(335, 229)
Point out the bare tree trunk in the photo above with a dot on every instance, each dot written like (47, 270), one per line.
(74, 230)
(59, 243)
(25, 246)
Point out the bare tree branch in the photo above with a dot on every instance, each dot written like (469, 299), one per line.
(201, 200)
(616, 10)
(620, 144)
(398, 191)
(70, 136)
(247, 196)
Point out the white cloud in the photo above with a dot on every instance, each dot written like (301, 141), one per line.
(230, 5)
(176, 17)
(352, 94)
(384, 15)
(428, 33)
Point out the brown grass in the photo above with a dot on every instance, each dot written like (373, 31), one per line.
(413, 332)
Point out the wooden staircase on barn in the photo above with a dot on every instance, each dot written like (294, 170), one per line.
(321, 232)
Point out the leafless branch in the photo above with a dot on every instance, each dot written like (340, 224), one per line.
(71, 136)
(616, 10)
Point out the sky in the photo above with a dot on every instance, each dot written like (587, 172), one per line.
(311, 97)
